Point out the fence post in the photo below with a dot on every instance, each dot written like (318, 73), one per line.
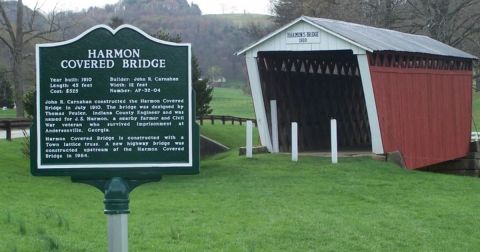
(294, 141)
(212, 119)
(274, 119)
(8, 130)
(249, 146)
(333, 140)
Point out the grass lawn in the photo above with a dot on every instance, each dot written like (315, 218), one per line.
(232, 101)
(233, 136)
(262, 204)
(476, 110)
(9, 113)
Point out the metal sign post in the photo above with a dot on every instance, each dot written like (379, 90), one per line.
(114, 109)
(116, 199)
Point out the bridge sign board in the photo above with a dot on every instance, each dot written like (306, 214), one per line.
(114, 103)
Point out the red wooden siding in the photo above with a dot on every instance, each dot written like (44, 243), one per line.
(424, 113)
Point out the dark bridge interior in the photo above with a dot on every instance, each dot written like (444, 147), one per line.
(311, 88)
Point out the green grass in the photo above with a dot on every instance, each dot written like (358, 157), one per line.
(476, 111)
(262, 204)
(231, 101)
(232, 136)
(9, 113)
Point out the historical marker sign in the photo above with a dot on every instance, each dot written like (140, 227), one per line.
(114, 103)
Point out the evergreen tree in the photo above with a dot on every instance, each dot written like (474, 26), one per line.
(203, 93)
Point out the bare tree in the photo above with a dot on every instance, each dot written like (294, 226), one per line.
(16, 35)
(287, 10)
(388, 14)
(451, 22)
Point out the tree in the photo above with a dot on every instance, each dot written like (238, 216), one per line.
(388, 14)
(115, 22)
(287, 10)
(214, 73)
(203, 93)
(451, 22)
(16, 36)
(6, 99)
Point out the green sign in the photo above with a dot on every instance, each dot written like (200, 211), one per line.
(114, 103)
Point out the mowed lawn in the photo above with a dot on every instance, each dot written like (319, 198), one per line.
(267, 203)
(9, 113)
(233, 102)
(476, 111)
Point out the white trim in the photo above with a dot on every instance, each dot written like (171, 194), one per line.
(304, 19)
(337, 35)
(268, 37)
(113, 31)
(92, 166)
(123, 165)
(377, 145)
(190, 105)
(274, 122)
(259, 105)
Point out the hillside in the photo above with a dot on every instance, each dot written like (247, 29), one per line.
(244, 20)
(214, 38)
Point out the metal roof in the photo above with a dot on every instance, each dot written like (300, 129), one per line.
(376, 39)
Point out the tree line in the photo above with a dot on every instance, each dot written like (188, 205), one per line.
(213, 40)
(454, 22)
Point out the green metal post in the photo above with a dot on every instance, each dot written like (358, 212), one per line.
(117, 210)
(116, 201)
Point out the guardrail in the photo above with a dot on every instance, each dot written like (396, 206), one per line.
(8, 124)
(224, 119)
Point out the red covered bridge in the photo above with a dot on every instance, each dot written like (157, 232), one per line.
(389, 91)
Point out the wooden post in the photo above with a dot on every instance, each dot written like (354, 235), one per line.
(273, 110)
(249, 150)
(333, 139)
(8, 130)
(294, 141)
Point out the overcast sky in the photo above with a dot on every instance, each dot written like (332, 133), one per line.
(207, 6)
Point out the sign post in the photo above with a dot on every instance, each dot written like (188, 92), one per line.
(114, 109)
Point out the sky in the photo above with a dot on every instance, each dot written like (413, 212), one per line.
(207, 6)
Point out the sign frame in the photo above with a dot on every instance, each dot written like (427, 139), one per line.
(128, 170)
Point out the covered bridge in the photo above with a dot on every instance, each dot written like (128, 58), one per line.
(389, 91)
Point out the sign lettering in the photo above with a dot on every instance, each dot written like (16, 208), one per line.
(119, 101)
